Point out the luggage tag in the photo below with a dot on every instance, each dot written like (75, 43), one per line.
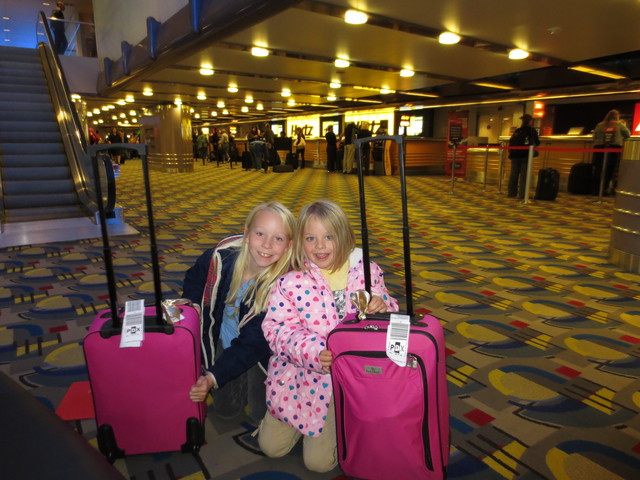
(398, 338)
(132, 324)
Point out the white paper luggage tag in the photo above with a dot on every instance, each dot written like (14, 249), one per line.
(132, 324)
(398, 338)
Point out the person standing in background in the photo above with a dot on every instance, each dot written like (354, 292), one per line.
(202, 145)
(224, 147)
(299, 145)
(59, 37)
(365, 148)
(524, 136)
(609, 133)
(116, 153)
(350, 134)
(332, 149)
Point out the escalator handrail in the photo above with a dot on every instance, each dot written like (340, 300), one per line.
(61, 77)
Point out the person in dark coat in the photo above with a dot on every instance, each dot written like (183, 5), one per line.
(519, 157)
(332, 149)
(230, 285)
(59, 36)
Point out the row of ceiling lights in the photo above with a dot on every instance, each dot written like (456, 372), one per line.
(355, 17)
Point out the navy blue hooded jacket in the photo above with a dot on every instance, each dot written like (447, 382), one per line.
(250, 347)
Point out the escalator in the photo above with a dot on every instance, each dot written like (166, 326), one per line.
(36, 177)
(47, 191)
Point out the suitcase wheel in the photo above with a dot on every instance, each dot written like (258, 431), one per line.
(107, 443)
(195, 436)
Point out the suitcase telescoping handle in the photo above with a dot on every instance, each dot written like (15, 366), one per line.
(97, 157)
(399, 139)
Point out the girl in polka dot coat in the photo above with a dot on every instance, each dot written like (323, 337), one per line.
(306, 304)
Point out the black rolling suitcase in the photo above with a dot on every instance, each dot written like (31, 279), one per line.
(580, 178)
(247, 162)
(548, 184)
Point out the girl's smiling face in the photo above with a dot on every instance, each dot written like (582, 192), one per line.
(318, 243)
(267, 239)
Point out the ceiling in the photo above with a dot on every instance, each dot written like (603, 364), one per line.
(304, 41)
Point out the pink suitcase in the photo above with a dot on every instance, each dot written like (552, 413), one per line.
(141, 394)
(392, 422)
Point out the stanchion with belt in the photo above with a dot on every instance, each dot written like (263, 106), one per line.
(453, 168)
(528, 181)
(602, 175)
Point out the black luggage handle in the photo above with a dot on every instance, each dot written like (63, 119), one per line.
(399, 139)
(141, 149)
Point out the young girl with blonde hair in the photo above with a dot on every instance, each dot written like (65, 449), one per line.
(231, 284)
(306, 304)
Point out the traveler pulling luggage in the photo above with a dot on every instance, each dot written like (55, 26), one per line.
(389, 380)
(140, 386)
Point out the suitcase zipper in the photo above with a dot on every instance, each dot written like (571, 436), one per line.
(425, 426)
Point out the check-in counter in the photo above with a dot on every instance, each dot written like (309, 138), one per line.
(424, 156)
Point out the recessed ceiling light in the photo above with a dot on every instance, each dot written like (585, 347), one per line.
(518, 54)
(385, 91)
(147, 92)
(335, 84)
(220, 104)
(291, 102)
(248, 99)
(206, 70)
(331, 97)
(178, 101)
(225, 112)
(259, 52)
(232, 88)
(214, 113)
(285, 92)
(260, 106)
(449, 38)
(341, 63)
(406, 72)
(129, 98)
(121, 102)
(355, 17)
(201, 96)
(96, 111)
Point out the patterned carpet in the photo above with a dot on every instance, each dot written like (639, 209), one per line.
(543, 335)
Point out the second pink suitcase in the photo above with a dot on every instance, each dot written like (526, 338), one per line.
(392, 422)
(141, 394)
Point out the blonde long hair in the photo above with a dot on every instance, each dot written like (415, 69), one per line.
(259, 291)
(335, 221)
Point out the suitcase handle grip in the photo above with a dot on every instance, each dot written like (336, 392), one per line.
(95, 152)
(399, 139)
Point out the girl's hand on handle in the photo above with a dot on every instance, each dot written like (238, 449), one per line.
(199, 391)
(326, 359)
(376, 305)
